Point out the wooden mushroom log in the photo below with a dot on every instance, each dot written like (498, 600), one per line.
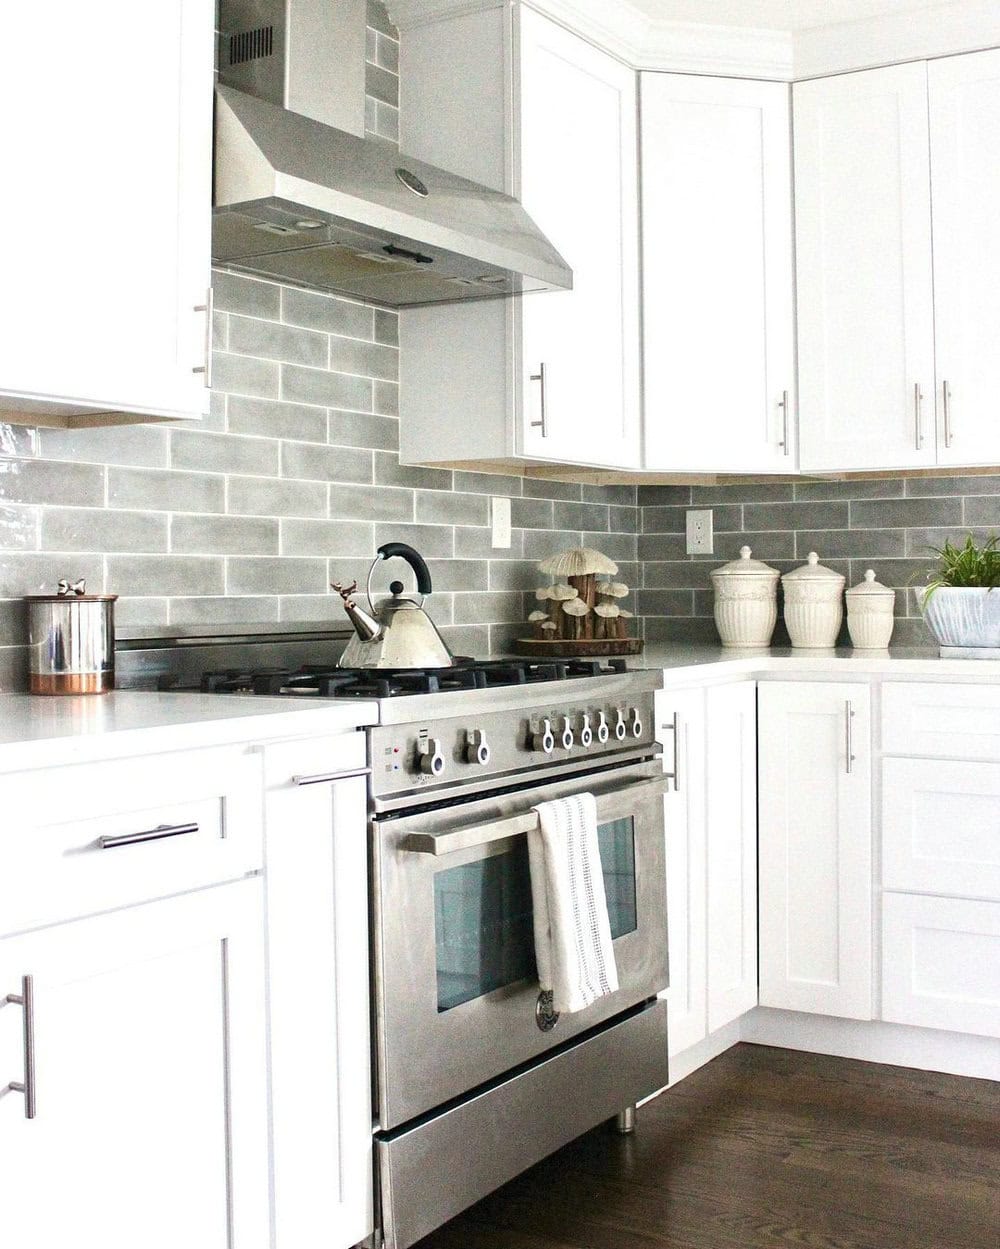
(612, 590)
(606, 618)
(576, 612)
(559, 596)
(581, 566)
(621, 622)
(536, 620)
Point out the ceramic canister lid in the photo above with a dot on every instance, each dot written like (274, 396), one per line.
(745, 567)
(813, 570)
(870, 588)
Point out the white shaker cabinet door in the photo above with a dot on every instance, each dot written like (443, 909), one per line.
(718, 332)
(965, 176)
(864, 272)
(149, 1078)
(814, 773)
(579, 183)
(107, 151)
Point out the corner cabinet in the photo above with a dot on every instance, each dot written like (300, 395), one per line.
(106, 311)
(718, 327)
(514, 100)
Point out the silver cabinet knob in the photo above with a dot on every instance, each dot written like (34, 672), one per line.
(603, 732)
(635, 722)
(620, 729)
(586, 732)
(566, 737)
(429, 756)
(477, 748)
(542, 739)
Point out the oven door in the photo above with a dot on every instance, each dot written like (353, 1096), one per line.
(456, 989)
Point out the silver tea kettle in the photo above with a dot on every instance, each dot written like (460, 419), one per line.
(397, 633)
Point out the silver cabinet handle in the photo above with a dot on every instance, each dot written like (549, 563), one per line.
(783, 405)
(849, 736)
(946, 401)
(26, 1000)
(675, 776)
(207, 308)
(541, 423)
(150, 834)
(918, 399)
(330, 778)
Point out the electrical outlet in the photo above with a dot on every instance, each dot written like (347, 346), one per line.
(500, 516)
(698, 527)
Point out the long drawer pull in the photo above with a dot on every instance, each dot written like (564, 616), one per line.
(331, 778)
(26, 1000)
(150, 834)
(675, 776)
(849, 737)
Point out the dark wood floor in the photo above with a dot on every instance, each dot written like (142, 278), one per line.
(768, 1147)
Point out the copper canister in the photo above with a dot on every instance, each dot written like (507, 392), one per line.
(71, 641)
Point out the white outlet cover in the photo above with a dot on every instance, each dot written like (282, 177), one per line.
(500, 519)
(698, 530)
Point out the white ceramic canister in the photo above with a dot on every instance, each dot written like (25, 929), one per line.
(870, 614)
(814, 604)
(746, 601)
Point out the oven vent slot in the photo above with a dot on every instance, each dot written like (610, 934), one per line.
(251, 45)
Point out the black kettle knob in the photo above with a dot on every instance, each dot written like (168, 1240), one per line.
(395, 587)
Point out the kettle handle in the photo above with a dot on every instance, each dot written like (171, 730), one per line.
(416, 561)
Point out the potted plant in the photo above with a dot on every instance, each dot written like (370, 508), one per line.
(958, 603)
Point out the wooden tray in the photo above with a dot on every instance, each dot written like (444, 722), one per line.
(581, 648)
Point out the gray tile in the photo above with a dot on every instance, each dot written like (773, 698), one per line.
(86, 529)
(531, 513)
(386, 52)
(130, 612)
(489, 608)
(680, 629)
(232, 292)
(504, 638)
(385, 399)
(276, 420)
(902, 513)
(329, 390)
(616, 546)
(623, 519)
(983, 510)
(769, 545)
(278, 342)
(308, 461)
(665, 602)
(224, 453)
(441, 508)
(661, 546)
(220, 331)
(215, 421)
(267, 496)
(371, 502)
(663, 496)
(389, 472)
(350, 355)
(326, 312)
(987, 483)
(539, 544)
(170, 575)
(275, 576)
(327, 538)
(13, 668)
(362, 429)
(441, 609)
(224, 535)
(911, 633)
(143, 446)
(13, 622)
(380, 84)
(325, 608)
(387, 327)
(432, 541)
(241, 375)
(922, 543)
(539, 488)
(795, 515)
(386, 121)
(489, 483)
(165, 491)
(864, 488)
(226, 609)
(18, 439)
(377, 17)
(42, 481)
(850, 543)
(622, 495)
(677, 575)
(468, 575)
(477, 543)
(467, 639)
(18, 528)
(897, 573)
(664, 519)
(580, 516)
(515, 574)
(749, 492)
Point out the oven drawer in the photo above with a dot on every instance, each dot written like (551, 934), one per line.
(499, 1133)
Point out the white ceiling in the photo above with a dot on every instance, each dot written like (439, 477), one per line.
(789, 15)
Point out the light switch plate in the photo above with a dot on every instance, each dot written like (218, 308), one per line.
(500, 517)
(698, 527)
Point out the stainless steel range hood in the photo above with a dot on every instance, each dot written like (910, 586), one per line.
(301, 201)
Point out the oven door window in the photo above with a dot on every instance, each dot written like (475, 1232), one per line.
(483, 915)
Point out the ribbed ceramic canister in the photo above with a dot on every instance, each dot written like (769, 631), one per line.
(814, 604)
(746, 601)
(870, 614)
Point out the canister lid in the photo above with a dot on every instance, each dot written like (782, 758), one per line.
(813, 570)
(745, 567)
(870, 588)
(71, 592)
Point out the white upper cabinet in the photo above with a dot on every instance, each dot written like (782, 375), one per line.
(514, 100)
(863, 257)
(965, 172)
(717, 297)
(107, 149)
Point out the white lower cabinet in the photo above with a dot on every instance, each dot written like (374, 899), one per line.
(148, 1074)
(814, 772)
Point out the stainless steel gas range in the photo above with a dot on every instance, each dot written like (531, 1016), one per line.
(477, 1078)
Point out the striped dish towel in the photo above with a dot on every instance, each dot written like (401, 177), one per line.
(573, 950)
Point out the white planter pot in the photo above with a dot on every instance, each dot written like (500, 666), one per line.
(964, 616)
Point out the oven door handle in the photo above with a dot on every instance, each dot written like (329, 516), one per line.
(474, 835)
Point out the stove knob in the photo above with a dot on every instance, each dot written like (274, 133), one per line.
(636, 722)
(586, 732)
(429, 756)
(566, 739)
(542, 739)
(620, 729)
(603, 733)
(477, 748)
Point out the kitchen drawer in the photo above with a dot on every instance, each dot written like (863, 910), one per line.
(53, 865)
(941, 963)
(941, 827)
(949, 721)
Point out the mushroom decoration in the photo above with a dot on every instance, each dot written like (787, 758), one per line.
(621, 625)
(607, 620)
(581, 567)
(576, 609)
(536, 620)
(549, 630)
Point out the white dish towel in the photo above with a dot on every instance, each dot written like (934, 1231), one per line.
(573, 950)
